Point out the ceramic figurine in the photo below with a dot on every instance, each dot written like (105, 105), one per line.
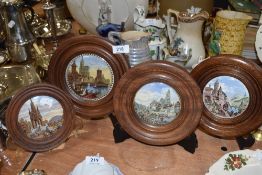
(104, 20)
(186, 45)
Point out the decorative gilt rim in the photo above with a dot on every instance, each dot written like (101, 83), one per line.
(244, 71)
(112, 76)
(187, 18)
(19, 100)
(183, 124)
(87, 45)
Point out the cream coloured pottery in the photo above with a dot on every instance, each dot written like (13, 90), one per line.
(258, 43)
(186, 44)
(87, 12)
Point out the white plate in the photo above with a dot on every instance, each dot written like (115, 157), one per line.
(86, 12)
(253, 160)
(85, 168)
(258, 43)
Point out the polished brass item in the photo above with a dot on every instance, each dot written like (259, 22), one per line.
(33, 172)
(14, 77)
(48, 8)
(1, 163)
(63, 27)
(257, 134)
(19, 38)
(2, 35)
(4, 57)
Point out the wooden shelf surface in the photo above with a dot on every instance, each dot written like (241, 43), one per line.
(131, 156)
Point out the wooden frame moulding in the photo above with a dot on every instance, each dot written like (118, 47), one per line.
(232, 93)
(39, 117)
(158, 103)
(82, 66)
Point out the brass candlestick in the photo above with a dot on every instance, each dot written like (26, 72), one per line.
(48, 8)
(33, 172)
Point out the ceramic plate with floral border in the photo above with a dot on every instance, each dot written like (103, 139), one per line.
(243, 162)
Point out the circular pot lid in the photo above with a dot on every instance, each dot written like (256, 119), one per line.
(86, 69)
(231, 93)
(158, 103)
(39, 117)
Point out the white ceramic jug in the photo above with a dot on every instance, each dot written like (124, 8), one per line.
(186, 45)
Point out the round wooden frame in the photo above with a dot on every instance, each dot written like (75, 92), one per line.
(174, 76)
(17, 102)
(93, 45)
(246, 72)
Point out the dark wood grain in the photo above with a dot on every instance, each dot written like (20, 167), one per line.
(87, 44)
(25, 94)
(246, 72)
(172, 75)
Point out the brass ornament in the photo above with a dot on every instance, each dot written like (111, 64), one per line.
(257, 135)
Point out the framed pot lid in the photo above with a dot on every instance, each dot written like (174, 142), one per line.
(158, 103)
(39, 117)
(86, 69)
(231, 93)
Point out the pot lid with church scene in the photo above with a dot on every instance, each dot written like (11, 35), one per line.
(86, 69)
(39, 117)
(231, 93)
(158, 103)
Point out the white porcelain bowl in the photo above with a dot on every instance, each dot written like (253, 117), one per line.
(86, 12)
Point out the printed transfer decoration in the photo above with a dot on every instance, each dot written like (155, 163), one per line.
(157, 104)
(226, 97)
(186, 45)
(40, 117)
(231, 93)
(157, 29)
(242, 162)
(94, 13)
(86, 68)
(89, 77)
